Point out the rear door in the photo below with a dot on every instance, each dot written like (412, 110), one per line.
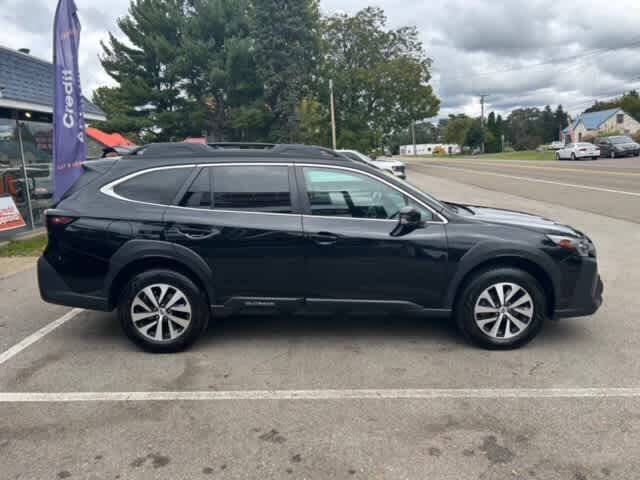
(242, 219)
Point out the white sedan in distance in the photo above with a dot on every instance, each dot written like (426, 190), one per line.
(394, 167)
(574, 151)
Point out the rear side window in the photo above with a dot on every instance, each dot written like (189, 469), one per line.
(158, 186)
(198, 195)
(252, 188)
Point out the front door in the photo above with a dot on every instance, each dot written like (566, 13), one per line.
(355, 252)
(240, 219)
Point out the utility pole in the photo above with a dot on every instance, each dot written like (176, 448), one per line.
(413, 136)
(482, 97)
(333, 115)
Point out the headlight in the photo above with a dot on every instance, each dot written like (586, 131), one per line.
(582, 246)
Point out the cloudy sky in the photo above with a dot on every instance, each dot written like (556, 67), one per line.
(519, 52)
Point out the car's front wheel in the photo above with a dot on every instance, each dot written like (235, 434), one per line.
(163, 311)
(501, 308)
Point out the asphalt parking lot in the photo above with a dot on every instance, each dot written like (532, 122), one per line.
(355, 397)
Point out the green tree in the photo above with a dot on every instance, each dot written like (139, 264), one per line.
(475, 134)
(493, 142)
(286, 45)
(561, 119)
(145, 66)
(217, 63)
(381, 77)
(121, 118)
(457, 129)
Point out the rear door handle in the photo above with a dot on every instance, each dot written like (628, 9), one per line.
(197, 233)
(324, 238)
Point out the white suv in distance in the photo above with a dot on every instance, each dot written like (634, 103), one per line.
(393, 167)
(574, 151)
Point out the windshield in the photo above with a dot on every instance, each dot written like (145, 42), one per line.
(618, 140)
(435, 202)
(353, 157)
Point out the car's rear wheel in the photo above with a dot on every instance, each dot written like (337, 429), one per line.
(162, 311)
(501, 308)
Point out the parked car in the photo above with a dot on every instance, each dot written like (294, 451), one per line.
(618, 146)
(557, 145)
(192, 233)
(575, 151)
(394, 167)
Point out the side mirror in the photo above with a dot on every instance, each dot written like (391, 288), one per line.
(409, 216)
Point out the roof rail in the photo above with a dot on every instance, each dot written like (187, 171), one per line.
(168, 149)
(241, 145)
(202, 150)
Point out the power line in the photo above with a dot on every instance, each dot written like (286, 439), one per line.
(571, 58)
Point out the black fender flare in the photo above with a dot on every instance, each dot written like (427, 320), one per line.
(137, 250)
(493, 251)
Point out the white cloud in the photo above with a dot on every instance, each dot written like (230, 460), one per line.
(503, 48)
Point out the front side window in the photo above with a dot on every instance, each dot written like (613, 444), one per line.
(157, 186)
(339, 193)
(262, 188)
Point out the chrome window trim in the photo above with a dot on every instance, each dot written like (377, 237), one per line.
(420, 202)
(108, 189)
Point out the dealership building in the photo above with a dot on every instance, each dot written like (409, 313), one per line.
(26, 138)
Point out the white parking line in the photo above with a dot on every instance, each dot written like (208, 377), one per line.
(530, 179)
(34, 337)
(348, 394)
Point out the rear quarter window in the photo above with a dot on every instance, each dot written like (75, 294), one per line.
(158, 186)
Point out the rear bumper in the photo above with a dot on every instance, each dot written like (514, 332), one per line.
(587, 298)
(53, 289)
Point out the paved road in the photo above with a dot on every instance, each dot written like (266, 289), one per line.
(608, 187)
(328, 433)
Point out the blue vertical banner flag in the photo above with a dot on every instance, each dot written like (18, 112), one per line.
(69, 146)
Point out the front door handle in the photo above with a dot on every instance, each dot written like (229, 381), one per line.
(324, 238)
(197, 233)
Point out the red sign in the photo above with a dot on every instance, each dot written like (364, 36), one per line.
(10, 217)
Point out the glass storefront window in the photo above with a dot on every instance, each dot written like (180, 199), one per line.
(37, 144)
(11, 173)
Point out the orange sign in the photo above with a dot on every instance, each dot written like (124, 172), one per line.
(10, 217)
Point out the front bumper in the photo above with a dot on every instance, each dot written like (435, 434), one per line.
(587, 295)
(53, 289)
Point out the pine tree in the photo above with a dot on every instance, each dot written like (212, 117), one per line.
(145, 66)
(286, 43)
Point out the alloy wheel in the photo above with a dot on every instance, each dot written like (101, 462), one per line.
(161, 312)
(503, 310)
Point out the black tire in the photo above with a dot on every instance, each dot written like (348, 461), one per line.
(472, 289)
(199, 316)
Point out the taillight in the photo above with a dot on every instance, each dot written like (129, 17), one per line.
(59, 220)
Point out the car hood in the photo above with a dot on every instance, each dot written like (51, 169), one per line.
(516, 219)
(387, 163)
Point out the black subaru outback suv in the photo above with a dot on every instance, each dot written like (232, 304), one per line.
(175, 234)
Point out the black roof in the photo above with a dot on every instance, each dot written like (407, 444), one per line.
(263, 150)
(25, 78)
